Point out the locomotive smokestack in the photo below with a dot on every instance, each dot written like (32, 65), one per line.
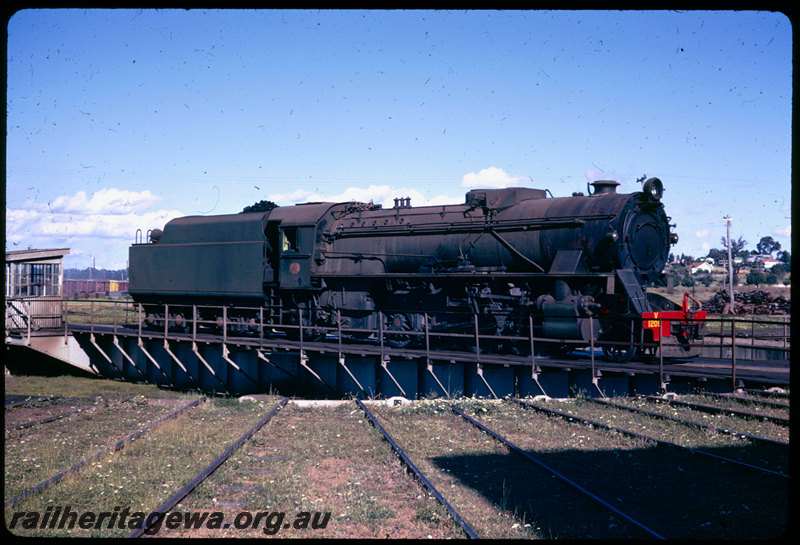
(602, 187)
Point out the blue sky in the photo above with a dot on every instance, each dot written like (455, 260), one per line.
(119, 120)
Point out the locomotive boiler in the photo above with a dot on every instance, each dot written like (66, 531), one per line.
(506, 261)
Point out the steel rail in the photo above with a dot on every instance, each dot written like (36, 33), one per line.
(32, 399)
(754, 438)
(113, 448)
(62, 415)
(767, 393)
(718, 410)
(754, 400)
(203, 475)
(417, 473)
(556, 473)
(637, 435)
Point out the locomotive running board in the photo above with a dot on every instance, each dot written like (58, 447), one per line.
(634, 290)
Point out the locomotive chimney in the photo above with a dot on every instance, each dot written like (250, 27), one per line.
(602, 187)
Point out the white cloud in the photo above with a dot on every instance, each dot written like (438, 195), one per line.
(378, 194)
(109, 201)
(597, 173)
(593, 174)
(784, 232)
(385, 195)
(492, 177)
(103, 225)
(294, 197)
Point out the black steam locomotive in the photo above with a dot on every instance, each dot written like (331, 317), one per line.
(517, 259)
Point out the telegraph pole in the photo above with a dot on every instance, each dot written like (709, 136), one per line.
(730, 260)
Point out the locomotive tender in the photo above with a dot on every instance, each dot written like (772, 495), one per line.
(515, 258)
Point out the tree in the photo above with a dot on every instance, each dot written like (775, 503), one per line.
(755, 277)
(786, 257)
(260, 206)
(736, 245)
(717, 255)
(767, 245)
(737, 250)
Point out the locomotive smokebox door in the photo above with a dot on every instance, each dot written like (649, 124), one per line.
(296, 245)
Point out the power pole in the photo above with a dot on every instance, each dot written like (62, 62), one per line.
(730, 260)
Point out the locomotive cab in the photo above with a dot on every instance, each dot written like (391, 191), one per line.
(296, 247)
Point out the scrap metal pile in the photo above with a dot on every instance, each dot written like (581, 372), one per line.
(751, 302)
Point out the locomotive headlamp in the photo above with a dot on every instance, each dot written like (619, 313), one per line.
(612, 233)
(654, 189)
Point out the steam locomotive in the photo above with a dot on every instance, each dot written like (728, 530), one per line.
(569, 269)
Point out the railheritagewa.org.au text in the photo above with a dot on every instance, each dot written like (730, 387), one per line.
(64, 517)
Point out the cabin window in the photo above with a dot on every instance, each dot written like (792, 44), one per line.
(289, 240)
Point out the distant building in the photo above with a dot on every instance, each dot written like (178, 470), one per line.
(35, 273)
(765, 259)
(82, 288)
(702, 266)
(770, 262)
(34, 281)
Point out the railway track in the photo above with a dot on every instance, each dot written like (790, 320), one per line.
(248, 489)
(480, 469)
(59, 415)
(599, 422)
(28, 490)
(185, 490)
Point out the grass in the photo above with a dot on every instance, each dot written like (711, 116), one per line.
(750, 426)
(148, 471)
(70, 386)
(35, 454)
(330, 460)
(101, 311)
(747, 405)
